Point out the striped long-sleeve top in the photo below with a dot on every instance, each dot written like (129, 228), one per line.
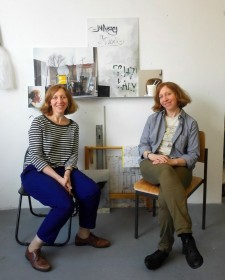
(52, 144)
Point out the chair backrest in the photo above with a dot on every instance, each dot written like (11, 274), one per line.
(24, 159)
(202, 146)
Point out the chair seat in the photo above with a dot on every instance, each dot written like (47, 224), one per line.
(195, 183)
(148, 188)
(21, 191)
(145, 187)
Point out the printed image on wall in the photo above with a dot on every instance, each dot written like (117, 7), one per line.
(36, 96)
(73, 67)
(117, 49)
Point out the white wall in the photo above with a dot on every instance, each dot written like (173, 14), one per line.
(184, 38)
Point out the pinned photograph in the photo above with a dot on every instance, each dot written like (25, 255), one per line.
(73, 67)
(36, 96)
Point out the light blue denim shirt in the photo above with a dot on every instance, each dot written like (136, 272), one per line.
(185, 140)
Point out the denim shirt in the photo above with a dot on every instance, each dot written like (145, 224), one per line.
(185, 142)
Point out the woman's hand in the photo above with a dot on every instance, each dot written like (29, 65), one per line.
(158, 159)
(177, 162)
(63, 181)
(68, 185)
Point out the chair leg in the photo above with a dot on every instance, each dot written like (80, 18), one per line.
(204, 206)
(154, 207)
(204, 189)
(38, 215)
(136, 215)
(18, 223)
(32, 211)
(76, 208)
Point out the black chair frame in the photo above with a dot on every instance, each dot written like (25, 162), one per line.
(22, 194)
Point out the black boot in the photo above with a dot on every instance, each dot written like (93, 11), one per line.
(193, 257)
(156, 259)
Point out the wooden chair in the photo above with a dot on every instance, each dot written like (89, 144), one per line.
(143, 188)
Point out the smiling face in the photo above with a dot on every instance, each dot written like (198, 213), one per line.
(59, 102)
(168, 99)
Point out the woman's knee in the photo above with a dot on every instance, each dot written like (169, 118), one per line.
(167, 171)
(156, 173)
(145, 168)
(66, 206)
(91, 191)
(84, 186)
(146, 172)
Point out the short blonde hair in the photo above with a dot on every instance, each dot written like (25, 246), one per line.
(47, 109)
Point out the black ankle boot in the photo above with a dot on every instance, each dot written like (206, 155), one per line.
(193, 257)
(156, 259)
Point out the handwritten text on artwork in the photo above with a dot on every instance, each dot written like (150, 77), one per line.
(125, 77)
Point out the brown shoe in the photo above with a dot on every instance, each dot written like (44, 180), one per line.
(92, 240)
(37, 260)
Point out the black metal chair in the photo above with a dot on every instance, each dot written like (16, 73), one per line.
(99, 176)
(22, 194)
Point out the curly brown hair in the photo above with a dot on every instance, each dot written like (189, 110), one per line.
(47, 109)
(182, 96)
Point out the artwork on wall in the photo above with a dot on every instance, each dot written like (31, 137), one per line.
(36, 96)
(73, 67)
(117, 50)
(108, 67)
(130, 156)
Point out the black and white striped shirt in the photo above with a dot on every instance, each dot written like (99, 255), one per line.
(52, 144)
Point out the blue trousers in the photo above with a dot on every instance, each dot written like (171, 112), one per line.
(50, 193)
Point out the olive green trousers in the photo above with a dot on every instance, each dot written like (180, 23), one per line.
(173, 211)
